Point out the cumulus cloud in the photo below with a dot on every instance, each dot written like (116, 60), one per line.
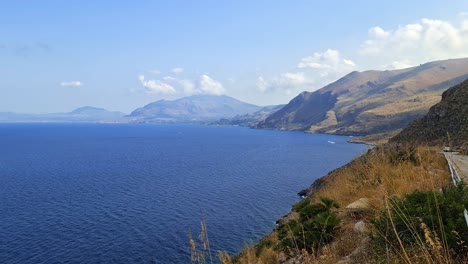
(412, 44)
(71, 83)
(210, 86)
(286, 82)
(156, 86)
(328, 60)
(317, 70)
(170, 85)
(178, 70)
(349, 63)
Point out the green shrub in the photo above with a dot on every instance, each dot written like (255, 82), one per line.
(316, 226)
(425, 220)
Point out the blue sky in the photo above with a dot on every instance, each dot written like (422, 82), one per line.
(59, 55)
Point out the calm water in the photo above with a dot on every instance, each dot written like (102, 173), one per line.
(75, 193)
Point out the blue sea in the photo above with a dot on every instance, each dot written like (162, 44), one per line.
(129, 193)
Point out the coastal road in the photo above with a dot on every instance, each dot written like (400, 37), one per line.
(460, 163)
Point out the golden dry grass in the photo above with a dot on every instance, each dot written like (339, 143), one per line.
(379, 174)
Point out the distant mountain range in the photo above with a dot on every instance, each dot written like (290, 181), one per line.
(369, 102)
(377, 103)
(82, 114)
(197, 108)
(192, 109)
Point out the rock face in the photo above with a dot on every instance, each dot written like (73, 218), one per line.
(360, 206)
(445, 123)
(360, 227)
(193, 108)
(370, 102)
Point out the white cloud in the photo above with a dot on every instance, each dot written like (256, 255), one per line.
(402, 64)
(317, 70)
(349, 62)
(184, 86)
(328, 60)
(178, 70)
(413, 44)
(170, 85)
(71, 83)
(210, 86)
(169, 78)
(156, 86)
(286, 82)
(262, 85)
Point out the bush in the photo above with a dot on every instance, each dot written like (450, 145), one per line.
(315, 227)
(427, 221)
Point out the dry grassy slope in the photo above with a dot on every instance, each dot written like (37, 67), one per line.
(445, 120)
(370, 102)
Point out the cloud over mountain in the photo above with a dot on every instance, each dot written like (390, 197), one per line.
(170, 85)
(156, 86)
(284, 82)
(406, 46)
(412, 44)
(208, 85)
(316, 70)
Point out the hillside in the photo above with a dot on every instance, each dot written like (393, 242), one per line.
(194, 108)
(446, 123)
(363, 103)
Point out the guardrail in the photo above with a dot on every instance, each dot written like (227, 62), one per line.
(456, 180)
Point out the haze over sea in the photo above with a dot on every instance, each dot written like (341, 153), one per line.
(108, 193)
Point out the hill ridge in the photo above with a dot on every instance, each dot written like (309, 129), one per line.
(368, 102)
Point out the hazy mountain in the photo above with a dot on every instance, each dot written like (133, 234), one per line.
(82, 114)
(192, 109)
(16, 117)
(445, 123)
(93, 113)
(371, 101)
(251, 119)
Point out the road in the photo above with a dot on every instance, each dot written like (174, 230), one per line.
(460, 163)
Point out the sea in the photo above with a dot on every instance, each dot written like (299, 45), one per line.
(132, 193)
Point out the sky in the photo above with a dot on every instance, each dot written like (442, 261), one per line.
(56, 56)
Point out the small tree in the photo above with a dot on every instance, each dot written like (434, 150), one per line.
(315, 227)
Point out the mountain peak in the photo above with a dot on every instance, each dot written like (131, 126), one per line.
(84, 109)
(199, 107)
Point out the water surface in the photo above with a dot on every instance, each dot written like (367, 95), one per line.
(102, 193)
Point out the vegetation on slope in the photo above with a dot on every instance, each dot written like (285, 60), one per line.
(446, 123)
